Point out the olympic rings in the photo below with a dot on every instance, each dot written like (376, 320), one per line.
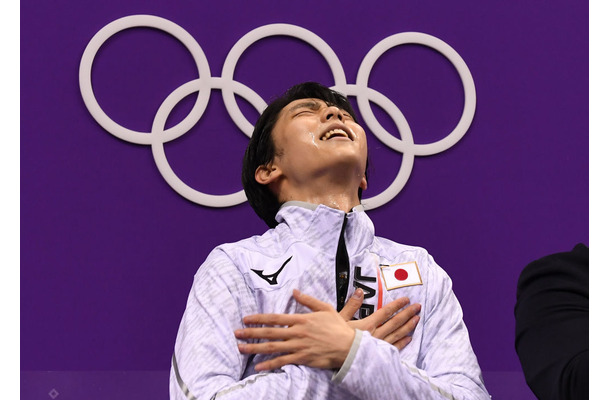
(229, 88)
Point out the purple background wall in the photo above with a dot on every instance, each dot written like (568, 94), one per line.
(108, 249)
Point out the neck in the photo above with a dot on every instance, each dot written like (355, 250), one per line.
(337, 197)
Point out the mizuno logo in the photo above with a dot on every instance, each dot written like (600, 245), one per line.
(271, 278)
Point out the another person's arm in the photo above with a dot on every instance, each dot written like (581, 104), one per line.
(552, 325)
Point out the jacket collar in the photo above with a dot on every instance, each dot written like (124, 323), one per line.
(320, 226)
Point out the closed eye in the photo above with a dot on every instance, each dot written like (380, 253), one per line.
(304, 107)
(304, 112)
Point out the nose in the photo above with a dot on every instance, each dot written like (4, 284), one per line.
(332, 111)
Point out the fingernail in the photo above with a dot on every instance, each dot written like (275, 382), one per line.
(296, 293)
(238, 333)
(359, 293)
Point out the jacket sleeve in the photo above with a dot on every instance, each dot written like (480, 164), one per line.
(207, 364)
(444, 367)
(552, 297)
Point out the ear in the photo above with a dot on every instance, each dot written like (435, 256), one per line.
(266, 174)
(363, 183)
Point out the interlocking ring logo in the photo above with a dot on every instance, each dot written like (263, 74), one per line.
(229, 87)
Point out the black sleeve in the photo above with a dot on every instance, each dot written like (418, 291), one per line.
(552, 325)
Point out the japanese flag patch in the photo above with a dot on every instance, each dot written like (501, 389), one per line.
(401, 275)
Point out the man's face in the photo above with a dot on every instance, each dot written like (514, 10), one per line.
(312, 138)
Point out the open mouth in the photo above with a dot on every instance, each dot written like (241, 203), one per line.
(336, 133)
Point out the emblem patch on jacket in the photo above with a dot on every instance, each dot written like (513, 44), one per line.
(271, 278)
(401, 275)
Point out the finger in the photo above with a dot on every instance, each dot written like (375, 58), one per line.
(352, 305)
(384, 313)
(276, 362)
(311, 302)
(397, 321)
(404, 331)
(264, 333)
(402, 343)
(266, 347)
(272, 319)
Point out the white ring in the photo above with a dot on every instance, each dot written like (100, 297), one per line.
(228, 70)
(134, 21)
(427, 40)
(160, 157)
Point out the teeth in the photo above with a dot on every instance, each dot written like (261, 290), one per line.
(328, 134)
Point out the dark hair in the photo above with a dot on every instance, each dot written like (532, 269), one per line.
(261, 149)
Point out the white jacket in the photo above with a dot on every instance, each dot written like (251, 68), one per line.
(257, 275)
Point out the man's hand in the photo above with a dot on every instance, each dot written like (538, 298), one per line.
(320, 339)
(384, 323)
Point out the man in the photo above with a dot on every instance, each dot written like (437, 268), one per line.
(267, 317)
